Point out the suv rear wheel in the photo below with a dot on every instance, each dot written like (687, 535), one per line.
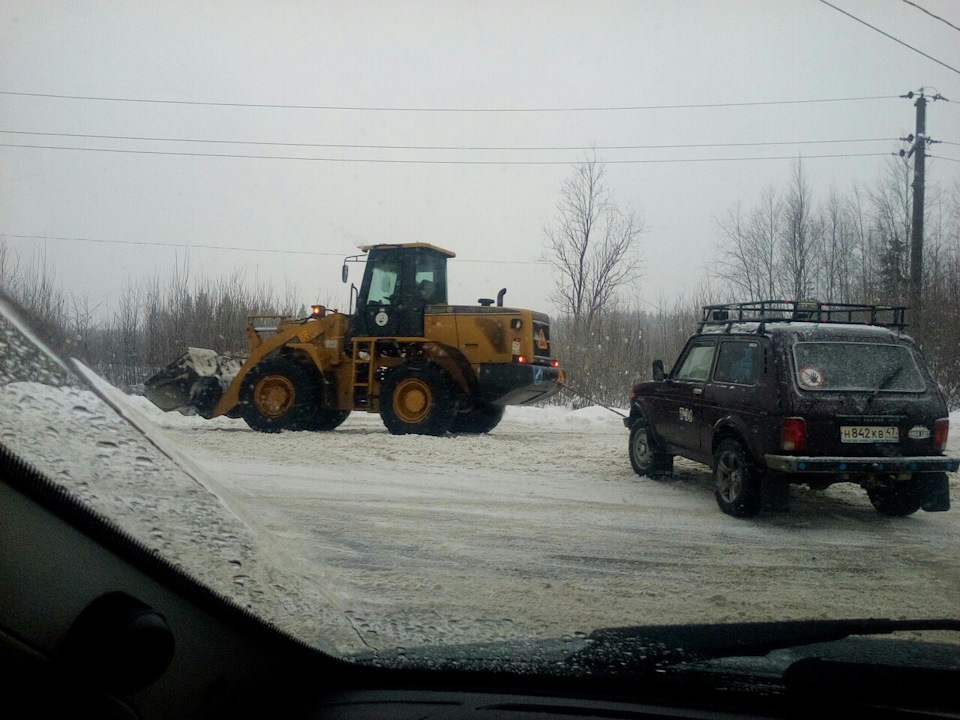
(646, 456)
(735, 483)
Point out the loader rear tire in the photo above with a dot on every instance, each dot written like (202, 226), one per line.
(280, 395)
(482, 419)
(417, 400)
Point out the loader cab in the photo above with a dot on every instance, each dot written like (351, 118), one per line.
(398, 283)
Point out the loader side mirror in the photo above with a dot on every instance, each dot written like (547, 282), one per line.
(658, 373)
(344, 272)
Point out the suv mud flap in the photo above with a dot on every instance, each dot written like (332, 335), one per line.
(935, 491)
(774, 492)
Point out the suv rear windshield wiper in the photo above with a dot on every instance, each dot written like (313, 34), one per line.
(883, 384)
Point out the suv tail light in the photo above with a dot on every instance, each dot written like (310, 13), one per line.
(941, 429)
(793, 436)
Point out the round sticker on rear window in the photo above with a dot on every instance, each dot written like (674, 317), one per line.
(811, 377)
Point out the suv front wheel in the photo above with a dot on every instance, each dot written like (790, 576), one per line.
(735, 483)
(646, 456)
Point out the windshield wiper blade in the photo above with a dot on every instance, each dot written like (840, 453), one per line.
(668, 644)
(882, 385)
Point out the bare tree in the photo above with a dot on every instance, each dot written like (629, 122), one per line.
(593, 244)
(863, 244)
(892, 203)
(800, 237)
(748, 248)
(838, 259)
(736, 263)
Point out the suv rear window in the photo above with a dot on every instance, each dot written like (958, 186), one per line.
(856, 366)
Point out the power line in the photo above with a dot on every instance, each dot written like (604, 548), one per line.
(443, 147)
(359, 108)
(863, 22)
(931, 14)
(201, 246)
(941, 157)
(430, 162)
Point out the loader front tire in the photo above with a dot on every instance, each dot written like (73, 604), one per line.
(280, 395)
(417, 400)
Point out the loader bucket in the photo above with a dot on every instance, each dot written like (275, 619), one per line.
(195, 380)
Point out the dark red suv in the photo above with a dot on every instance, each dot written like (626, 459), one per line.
(772, 393)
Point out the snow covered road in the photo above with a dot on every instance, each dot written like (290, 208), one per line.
(359, 539)
(541, 528)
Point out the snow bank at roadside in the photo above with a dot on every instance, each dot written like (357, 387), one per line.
(588, 419)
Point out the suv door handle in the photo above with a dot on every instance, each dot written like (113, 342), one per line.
(698, 391)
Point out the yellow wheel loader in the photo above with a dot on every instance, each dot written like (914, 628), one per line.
(426, 366)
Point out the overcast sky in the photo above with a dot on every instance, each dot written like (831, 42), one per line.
(428, 55)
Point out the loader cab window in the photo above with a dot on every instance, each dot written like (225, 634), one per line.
(384, 283)
(397, 287)
(430, 278)
(381, 295)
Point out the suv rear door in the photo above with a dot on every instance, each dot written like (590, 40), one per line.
(742, 391)
(862, 397)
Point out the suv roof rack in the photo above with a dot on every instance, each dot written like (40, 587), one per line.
(807, 311)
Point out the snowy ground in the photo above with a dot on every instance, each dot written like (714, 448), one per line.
(358, 538)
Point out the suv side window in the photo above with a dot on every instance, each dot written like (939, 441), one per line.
(696, 365)
(738, 362)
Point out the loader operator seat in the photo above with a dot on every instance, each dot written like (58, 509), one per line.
(428, 292)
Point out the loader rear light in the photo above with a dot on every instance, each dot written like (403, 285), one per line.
(941, 430)
(520, 358)
(793, 434)
(555, 363)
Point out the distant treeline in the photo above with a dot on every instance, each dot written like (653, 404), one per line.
(150, 325)
(790, 243)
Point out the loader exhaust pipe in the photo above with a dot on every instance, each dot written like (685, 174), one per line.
(500, 295)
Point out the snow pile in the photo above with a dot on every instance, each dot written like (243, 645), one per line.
(174, 420)
(589, 419)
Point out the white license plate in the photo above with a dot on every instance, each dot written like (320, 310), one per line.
(867, 434)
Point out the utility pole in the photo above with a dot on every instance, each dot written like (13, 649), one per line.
(919, 151)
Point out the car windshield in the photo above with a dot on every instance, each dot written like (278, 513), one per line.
(856, 366)
(457, 442)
